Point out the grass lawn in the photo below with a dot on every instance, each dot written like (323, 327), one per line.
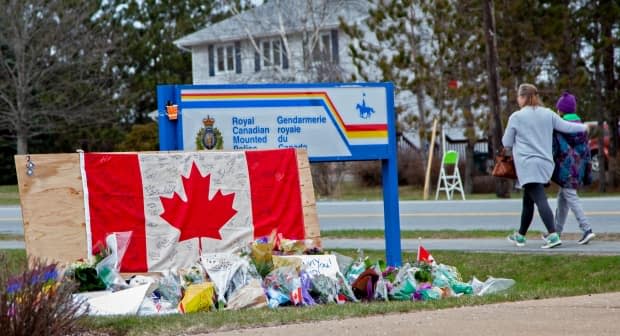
(351, 192)
(452, 234)
(537, 276)
(9, 195)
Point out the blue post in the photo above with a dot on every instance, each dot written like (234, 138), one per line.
(167, 128)
(391, 212)
(389, 172)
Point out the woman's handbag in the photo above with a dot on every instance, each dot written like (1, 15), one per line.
(504, 167)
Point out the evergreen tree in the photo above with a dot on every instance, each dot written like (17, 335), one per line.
(147, 54)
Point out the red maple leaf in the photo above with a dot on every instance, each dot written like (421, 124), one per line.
(199, 216)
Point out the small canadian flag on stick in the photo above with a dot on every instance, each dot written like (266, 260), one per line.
(425, 256)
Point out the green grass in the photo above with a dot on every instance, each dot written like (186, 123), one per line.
(9, 195)
(537, 276)
(351, 192)
(9, 236)
(451, 234)
(426, 234)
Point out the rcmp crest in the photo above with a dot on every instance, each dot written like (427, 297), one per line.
(209, 137)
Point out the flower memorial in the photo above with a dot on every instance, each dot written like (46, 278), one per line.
(271, 272)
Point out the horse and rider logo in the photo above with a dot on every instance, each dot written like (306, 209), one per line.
(364, 110)
(209, 137)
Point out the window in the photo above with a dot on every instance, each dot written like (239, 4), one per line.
(230, 58)
(325, 49)
(266, 53)
(272, 53)
(225, 58)
(277, 55)
(322, 49)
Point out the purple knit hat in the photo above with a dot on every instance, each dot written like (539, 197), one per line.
(566, 103)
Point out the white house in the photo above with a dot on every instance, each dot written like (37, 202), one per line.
(279, 41)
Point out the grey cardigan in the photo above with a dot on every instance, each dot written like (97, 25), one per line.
(530, 134)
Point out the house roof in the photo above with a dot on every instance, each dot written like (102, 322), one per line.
(264, 20)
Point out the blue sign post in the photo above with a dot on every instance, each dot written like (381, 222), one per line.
(334, 122)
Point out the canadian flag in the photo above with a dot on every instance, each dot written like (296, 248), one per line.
(178, 205)
(425, 256)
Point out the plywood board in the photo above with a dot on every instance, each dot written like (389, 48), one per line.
(308, 201)
(52, 205)
(52, 202)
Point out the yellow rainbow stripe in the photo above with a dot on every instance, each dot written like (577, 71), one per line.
(352, 131)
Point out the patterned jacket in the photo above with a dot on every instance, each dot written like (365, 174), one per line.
(571, 154)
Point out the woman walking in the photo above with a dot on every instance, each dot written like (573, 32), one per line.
(529, 137)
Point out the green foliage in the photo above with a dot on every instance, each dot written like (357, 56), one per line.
(142, 137)
(9, 194)
(423, 275)
(148, 56)
(555, 45)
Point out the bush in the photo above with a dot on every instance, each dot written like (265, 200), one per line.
(327, 177)
(411, 169)
(34, 302)
(484, 184)
(367, 173)
(142, 137)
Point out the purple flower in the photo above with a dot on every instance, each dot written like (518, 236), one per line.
(13, 286)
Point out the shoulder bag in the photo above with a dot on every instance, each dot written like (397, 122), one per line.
(504, 167)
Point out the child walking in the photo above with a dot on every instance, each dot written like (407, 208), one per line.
(573, 169)
(529, 137)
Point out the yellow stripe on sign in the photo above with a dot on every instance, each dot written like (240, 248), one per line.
(366, 134)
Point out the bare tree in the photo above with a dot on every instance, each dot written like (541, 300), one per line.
(502, 187)
(53, 60)
(301, 26)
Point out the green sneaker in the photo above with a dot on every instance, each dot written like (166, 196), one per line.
(517, 239)
(552, 241)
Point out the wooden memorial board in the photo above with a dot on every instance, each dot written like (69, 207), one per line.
(52, 203)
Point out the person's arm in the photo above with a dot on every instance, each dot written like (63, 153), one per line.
(508, 140)
(564, 126)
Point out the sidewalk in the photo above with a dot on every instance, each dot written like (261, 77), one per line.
(479, 245)
(580, 315)
(595, 247)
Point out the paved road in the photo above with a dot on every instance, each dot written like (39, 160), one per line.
(11, 220)
(504, 214)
